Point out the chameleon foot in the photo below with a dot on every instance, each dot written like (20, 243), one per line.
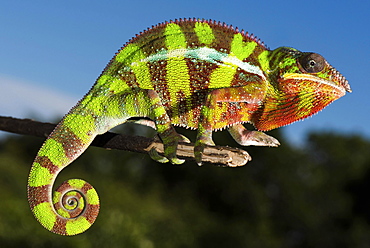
(199, 148)
(169, 150)
(246, 137)
(155, 156)
(162, 159)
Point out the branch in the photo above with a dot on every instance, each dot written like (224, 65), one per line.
(221, 155)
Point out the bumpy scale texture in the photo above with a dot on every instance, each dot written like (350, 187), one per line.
(194, 73)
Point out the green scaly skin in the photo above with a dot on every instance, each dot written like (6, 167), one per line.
(199, 74)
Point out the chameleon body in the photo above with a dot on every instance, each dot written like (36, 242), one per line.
(194, 73)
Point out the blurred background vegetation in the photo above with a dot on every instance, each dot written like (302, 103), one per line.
(315, 195)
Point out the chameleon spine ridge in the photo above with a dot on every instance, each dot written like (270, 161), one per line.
(247, 35)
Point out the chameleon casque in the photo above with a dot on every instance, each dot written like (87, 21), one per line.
(194, 73)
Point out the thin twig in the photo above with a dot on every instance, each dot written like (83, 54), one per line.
(220, 155)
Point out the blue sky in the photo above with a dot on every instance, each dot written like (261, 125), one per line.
(55, 50)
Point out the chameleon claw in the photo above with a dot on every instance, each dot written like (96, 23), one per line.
(261, 139)
(177, 161)
(172, 155)
(170, 149)
(198, 159)
(184, 139)
(202, 140)
(198, 152)
(162, 159)
(155, 156)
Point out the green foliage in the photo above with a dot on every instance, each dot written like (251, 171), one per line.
(313, 196)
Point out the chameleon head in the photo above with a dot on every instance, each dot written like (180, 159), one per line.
(302, 83)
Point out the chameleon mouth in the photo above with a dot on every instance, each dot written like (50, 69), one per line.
(340, 83)
(341, 79)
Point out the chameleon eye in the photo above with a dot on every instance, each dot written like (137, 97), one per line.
(312, 62)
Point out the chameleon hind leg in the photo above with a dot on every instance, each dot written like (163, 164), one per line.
(149, 104)
(153, 152)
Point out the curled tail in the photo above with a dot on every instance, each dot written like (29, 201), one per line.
(74, 206)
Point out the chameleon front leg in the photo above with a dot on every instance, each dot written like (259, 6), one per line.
(247, 137)
(252, 95)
